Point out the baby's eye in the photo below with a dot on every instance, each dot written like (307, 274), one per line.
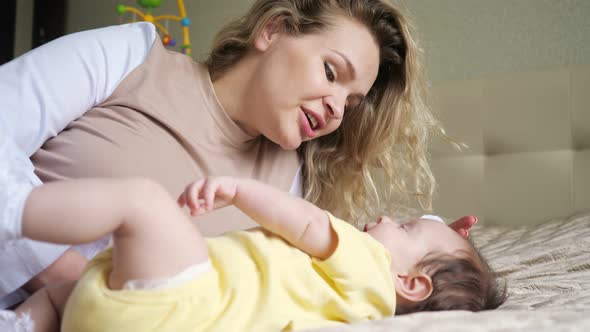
(329, 72)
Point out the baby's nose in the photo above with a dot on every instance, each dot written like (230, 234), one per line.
(385, 219)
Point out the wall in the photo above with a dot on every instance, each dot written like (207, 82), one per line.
(463, 39)
(466, 39)
(206, 16)
(508, 78)
(24, 27)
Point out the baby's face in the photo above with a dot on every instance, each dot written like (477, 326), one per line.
(408, 243)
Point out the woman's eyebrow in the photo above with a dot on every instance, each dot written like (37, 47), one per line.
(348, 63)
(352, 71)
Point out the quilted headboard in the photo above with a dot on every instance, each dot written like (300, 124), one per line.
(529, 146)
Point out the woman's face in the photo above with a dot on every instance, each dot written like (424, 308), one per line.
(303, 85)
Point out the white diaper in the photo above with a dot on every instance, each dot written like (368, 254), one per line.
(182, 277)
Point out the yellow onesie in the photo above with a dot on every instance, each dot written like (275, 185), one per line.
(258, 283)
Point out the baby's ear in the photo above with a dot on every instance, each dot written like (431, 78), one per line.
(415, 287)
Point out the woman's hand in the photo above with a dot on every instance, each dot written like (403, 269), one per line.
(207, 194)
(463, 224)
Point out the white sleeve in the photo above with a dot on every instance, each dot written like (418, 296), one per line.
(44, 90)
(47, 88)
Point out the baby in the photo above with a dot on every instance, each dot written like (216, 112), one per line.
(304, 268)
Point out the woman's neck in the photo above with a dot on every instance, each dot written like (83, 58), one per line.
(231, 88)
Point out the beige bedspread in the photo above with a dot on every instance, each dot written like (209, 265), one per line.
(547, 268)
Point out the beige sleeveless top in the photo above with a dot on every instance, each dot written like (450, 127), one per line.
(165, 122)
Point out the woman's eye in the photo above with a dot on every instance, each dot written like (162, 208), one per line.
(329, 72)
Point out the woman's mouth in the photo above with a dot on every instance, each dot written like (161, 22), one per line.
(307, 124)
(312, 121)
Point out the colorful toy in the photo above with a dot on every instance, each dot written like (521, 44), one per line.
(148, 17)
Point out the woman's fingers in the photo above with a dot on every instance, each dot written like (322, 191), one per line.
(463, 233)
(465, 222)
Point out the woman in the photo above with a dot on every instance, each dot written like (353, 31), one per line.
(309, 96)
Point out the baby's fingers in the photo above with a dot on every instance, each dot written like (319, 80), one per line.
(181, 200)
(191, 195)
(209, 194)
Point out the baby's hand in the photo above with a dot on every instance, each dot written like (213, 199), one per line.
(208, 194)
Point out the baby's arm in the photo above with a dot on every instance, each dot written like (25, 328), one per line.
(153, 239)
(299, 222)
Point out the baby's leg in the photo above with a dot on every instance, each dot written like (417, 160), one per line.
(158, 242)
(46, 306)
(153, 238)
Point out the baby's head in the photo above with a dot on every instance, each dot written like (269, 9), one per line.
(434, 268)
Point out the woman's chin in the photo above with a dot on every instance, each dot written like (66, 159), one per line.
(290, 145)
(287, 141)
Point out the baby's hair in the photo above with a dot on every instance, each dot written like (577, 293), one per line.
(463, 281)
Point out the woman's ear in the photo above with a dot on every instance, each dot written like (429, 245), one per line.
(267, 35)
(415, 287)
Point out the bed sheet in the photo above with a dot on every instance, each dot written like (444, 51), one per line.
(547, 270)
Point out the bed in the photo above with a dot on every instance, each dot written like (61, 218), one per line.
(547, 270)
(526, 175)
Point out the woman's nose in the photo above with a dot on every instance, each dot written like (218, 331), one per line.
(335, 112)
(335, 108)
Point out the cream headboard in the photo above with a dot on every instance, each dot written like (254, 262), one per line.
(529, 138)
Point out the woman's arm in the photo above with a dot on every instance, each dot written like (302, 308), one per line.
(299, 222)
(46, 89)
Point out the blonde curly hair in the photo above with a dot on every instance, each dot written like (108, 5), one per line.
(389, 130)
